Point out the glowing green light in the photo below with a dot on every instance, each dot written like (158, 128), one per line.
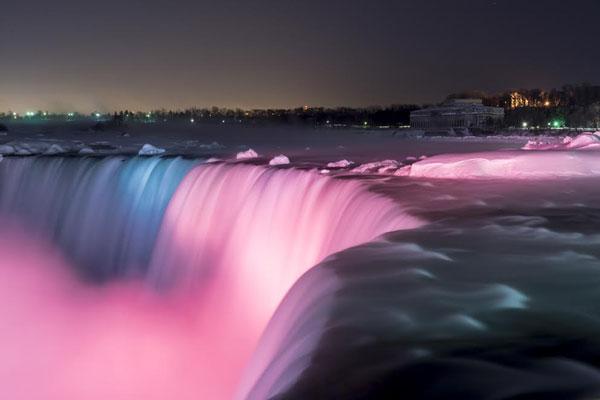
(556, 123)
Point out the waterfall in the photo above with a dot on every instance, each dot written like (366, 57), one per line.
(104, 213)
(242, 235)
(208, 251)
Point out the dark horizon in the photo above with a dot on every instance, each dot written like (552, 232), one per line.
(70, 55)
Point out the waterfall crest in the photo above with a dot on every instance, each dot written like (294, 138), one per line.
(104, 213)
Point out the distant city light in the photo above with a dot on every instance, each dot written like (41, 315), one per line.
(524, 124)
(365, 123)
(70, 114)
(98, 115)
(29, 114)
(192, 120)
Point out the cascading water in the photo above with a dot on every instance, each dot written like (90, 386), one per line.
(231, 243)
(242, 235)
(104, 213)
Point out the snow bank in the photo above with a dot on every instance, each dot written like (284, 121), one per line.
(246, 155)
(279, 160)
(585, 141)
(380, 167)
(340, 164)
(149, 150)
(507, 165)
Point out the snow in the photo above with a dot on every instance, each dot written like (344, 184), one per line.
(7, 149)
(279, 160)
(54, 149)
(585, 141)
(384, 166)
(340, 164)
(149, 150)
(246, 155)
(213, 160)
(86, 150)
(507, 165)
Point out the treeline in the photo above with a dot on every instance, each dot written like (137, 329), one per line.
(395, 115)
(575, 106)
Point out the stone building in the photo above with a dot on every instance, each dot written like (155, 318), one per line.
(457, 114)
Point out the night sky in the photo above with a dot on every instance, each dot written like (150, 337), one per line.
(80, 55)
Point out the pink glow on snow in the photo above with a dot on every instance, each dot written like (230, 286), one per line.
(585, 141)
(507, 165)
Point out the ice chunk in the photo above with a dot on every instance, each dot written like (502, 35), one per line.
(7, 149)
(340, 164)
(149, 150)
(383, 166)
(86, 150)
(324, 171)
(212, 160)
(404, 171)
(54, 149)
(585, 141)
(246, 155)
(279, 160)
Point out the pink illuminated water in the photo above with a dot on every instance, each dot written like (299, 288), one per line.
(240, 236)
(233, 241)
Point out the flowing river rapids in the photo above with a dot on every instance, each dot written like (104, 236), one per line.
(170, 278)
